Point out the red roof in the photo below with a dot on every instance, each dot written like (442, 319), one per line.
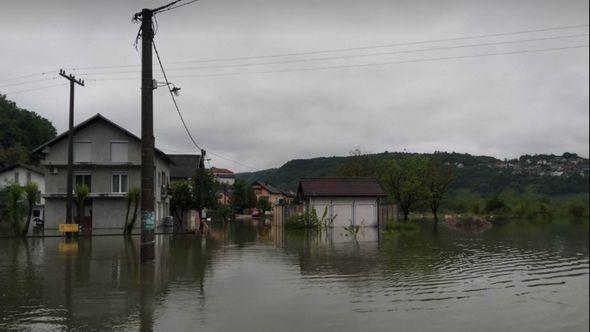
(340, 187)
(216, 170)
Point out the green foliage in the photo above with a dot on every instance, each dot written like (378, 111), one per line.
(310, 220)
(476, 176)
(438, 182)
(223, 212)
(21, 132)
(404, 180)
(31, 194)
(182, 196)
(577, 209)
(238, 196)
(496, 205)
(14, 207)
(358, 164)
(263, 205)
(392, 227)
(251, 200)
(204, 189)
(132, 199)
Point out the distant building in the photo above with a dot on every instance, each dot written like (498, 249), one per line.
(184, 166)
(272, 194)
(223, 175)
(350, 200)
(23, 174)
(107, 159)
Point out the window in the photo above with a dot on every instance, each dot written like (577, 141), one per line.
(28, 177)
(16, 177)
(119, 152)
(120, 182)
(82, 152)
(38, 197)
(86, 179)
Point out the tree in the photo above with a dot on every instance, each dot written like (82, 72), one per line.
(14, 155)
(357, 164)
(263, 205)
(438, 180)
(132, 198)
(182, 198)
(80, 194)
(31, 194)
(204, 190)
(404, 181)
(239, 195)
(13, 194)
(251, 199)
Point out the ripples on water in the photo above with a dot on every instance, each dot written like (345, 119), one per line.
(257, 277)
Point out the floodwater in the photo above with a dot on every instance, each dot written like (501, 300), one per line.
(254, 277)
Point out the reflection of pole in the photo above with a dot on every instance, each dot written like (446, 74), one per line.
(146, 297)
(147, 139)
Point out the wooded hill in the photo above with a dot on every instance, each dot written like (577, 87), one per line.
(20, 132)
(479, 174)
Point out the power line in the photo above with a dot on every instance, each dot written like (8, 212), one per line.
(309, 69)
(351, 55)
(29, 82)
(346, 49)
(173, 98)
(35, 89)
(174, 7)
(27, 76)
(233, 161)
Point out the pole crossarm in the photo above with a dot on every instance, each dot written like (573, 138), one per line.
(71, 77)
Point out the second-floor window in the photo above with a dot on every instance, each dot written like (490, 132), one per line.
(82, 152)
(119, 152)
(16, 177)
(86, 179)
(120, 182)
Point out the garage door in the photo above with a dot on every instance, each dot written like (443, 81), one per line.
(343, 213)
(365, 214)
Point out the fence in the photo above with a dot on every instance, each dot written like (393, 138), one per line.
(281, 213)
(387, 213)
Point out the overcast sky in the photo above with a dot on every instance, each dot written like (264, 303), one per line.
(499, 105)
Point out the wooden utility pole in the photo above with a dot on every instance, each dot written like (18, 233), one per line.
(70, 177)
(148, 218)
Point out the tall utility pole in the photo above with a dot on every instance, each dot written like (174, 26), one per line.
(148, 218)
(70, 178)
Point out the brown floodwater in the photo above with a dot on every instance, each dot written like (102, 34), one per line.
(252, 276)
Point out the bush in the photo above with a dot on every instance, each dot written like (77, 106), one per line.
(495, 204)
(577, 209)
(223, 212)
(310, 220)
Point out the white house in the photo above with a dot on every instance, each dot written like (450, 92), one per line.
(23, 174)
(351, 200)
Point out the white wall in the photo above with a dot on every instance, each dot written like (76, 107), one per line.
(349, 210)
(7, 178)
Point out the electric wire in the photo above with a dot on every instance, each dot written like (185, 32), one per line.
(347, 56)
(35, 89)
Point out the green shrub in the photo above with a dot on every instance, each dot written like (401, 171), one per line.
(577, 209)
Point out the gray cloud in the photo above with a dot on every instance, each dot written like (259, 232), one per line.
(501, 105)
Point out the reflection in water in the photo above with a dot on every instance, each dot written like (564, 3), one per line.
(253, 276)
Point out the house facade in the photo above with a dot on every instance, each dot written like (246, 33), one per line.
(23, 174)
(274, 195)
(223, 175)
(351, 201)
(107, 159)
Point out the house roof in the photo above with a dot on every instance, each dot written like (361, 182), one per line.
(86, 123)
(216, 170)
(185, 165)
(340, 187)
(268, 187)
(31, 168)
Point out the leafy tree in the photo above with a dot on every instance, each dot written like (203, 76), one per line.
(80, 194)
(251, 199)
(182, 198)
(13, 194)
(495, 204)
(263, 205)
(357, 164)
(438, 180)
(132, 198)
(204, 189)
(31, 194)
(404, 180)
(577, 209)
(239, 197)
(21, 132)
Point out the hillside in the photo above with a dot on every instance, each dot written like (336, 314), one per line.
(546, 174)
(22, 131)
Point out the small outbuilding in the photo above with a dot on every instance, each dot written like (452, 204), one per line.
(351, 200)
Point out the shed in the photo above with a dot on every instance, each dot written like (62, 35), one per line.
(351, 200)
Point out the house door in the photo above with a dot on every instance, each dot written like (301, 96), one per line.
(86, 221)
